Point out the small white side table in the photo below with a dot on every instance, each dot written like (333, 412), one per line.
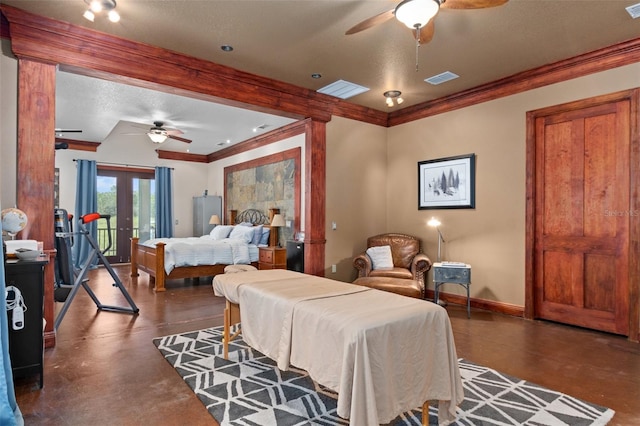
(455, 273)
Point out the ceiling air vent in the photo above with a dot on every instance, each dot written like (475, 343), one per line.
(441, 78)
(634, 10)
(343, 89)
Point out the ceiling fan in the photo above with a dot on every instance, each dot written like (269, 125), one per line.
(158, 134)
(61, 143)
(418, 15)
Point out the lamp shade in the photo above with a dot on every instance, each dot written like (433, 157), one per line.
(214, 220)
(278, 221)
(416, 13)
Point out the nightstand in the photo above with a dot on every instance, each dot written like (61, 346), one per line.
(272, 258)
(455, 273)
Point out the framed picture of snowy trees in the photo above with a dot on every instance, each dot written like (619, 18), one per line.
(447, 183)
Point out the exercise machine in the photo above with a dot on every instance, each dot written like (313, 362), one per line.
(66, 270)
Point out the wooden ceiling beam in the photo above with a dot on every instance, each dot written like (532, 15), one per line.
(94, 53)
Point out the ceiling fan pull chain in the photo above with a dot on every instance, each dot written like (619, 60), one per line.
(417, 45)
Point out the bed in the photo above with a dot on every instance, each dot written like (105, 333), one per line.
(155, 256)
(383, 353)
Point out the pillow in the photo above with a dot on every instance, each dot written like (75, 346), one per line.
(264, 240)
(245, 224)
(380, 257)
(257, 234)
(243, 233)
(221, 232)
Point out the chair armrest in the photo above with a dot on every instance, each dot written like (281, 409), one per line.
(362, 263)
(419, 266)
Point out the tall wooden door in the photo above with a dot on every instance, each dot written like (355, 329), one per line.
(582, 213)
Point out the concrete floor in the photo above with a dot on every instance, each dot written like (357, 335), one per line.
(105, 370)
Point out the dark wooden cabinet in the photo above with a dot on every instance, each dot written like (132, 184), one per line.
(26, 345)
(272, 258)
(295, 256)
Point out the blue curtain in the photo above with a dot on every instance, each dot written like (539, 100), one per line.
(86, 202)
(9, 411)
(164, 203)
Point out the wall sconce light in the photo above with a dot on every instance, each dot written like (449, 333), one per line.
(277, 222)
(391, 95)
(436, 224)
(97, 6)
(214, 220)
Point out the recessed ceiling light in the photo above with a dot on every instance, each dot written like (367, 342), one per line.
(343, 89)
(316, 75)
(441, 78)
(226, 48)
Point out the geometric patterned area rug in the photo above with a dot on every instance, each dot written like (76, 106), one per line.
(249, 389)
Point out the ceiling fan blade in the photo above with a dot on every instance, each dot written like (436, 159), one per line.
(472, 4)
(426, 32)
(67, 131)
(178, 138)
(173, 132)
(368, 23)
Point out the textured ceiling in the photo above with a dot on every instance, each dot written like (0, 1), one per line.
(291, 40)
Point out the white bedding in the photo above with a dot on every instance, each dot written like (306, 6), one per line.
(194, 251)
(383, 353)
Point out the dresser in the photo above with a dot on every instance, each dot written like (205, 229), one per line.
(455, 273)
(26, 345)
(203, 209)
(272, 258)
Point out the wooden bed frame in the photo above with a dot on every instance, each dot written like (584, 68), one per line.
(151, 260)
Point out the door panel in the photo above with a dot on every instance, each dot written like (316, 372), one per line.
(581, 250)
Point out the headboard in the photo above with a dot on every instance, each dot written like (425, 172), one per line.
(250, 215)
(256, 217)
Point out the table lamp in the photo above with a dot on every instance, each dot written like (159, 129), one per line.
(214, 220)
(277, 222)
(436, 224)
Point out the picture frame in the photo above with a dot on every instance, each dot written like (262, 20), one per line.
(447, 183)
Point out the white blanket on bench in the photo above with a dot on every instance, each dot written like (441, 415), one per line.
(383, 353)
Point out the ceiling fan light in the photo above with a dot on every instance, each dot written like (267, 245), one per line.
(88, 15)
(95, 6)
(114, 16)
(157, 137)
(416, 13)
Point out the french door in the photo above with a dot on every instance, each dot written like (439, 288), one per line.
(128, 196)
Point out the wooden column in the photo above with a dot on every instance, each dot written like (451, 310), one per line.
(35, 166)
(315, 153)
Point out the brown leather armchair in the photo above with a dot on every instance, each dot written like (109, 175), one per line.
(409, 266)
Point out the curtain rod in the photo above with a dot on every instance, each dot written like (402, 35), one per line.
(124, 165)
